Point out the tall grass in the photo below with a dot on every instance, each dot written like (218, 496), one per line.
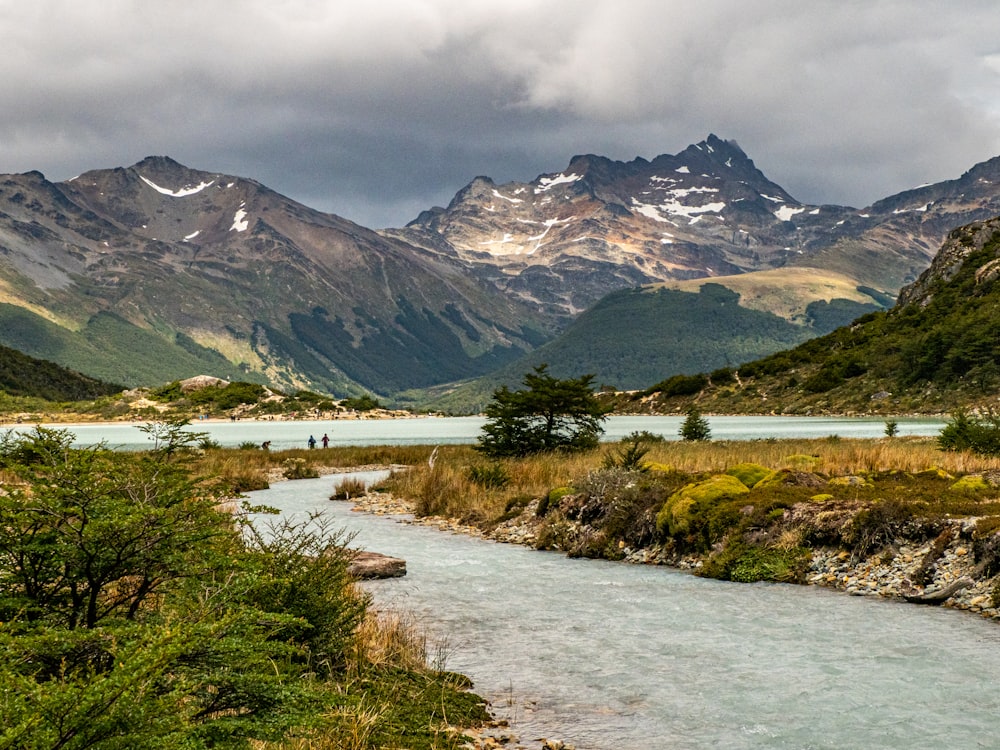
(831, 455)
(387, 644)
(449, 487)
(249, 469)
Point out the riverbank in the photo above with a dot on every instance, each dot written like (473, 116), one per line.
(889, 574)
(892, 573)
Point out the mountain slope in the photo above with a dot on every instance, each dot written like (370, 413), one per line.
(221, 269)
(21, 375)
(935, 351)
(156, 271)
(636, 337)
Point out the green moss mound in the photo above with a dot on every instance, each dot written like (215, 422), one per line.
(749, 473)
(555, 495)
(971, 483)
(676, 515)
(750, 564)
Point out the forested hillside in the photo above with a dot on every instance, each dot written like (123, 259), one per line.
(21, 375)
(936, 351)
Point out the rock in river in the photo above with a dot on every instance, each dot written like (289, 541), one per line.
(368, 565)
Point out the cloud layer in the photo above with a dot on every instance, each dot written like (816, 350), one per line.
(380, 110)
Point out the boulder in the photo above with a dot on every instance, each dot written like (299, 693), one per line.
(372, 565)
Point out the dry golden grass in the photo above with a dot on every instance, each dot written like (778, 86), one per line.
(390, 638)
(448, 488)
(831, 456)
(247, 470)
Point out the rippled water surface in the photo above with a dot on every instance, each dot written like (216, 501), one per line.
(611, 656)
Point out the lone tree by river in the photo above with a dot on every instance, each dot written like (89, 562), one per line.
(548, 414)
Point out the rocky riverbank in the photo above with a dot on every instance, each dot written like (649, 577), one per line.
(901, 572)
(942, 571)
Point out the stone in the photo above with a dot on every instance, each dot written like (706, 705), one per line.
(372, 565)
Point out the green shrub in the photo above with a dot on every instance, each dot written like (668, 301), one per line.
(826, 379)
(298, 468)
(749, 564)
(680, 385)
(644, 436)
(361, 403)
(628, 456)
(965, 432)
(722, 376)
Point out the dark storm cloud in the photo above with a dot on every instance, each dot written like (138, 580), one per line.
(375, 112)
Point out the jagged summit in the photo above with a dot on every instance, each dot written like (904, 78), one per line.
(160, 163)
(600, 224)
(564, 239)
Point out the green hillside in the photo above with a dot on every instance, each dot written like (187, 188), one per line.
(112, 349)
(632, 337)
(21, 375)
(934, 353)
(639, 336)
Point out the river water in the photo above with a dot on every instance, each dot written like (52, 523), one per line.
(610, 656)
(450, 430)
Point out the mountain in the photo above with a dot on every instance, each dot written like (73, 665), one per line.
(155, 272)
(21, 375)
(935, 351)
(564, 240)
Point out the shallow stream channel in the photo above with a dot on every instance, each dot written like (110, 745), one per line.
(611, 656)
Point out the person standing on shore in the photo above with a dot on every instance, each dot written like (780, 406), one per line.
(312, 442)
(325, 440)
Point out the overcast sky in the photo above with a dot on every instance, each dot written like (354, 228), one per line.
(377, 109)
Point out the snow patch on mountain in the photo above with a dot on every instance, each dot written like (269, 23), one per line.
(673, 207)
(240, 222)
(515, 201)
(918, 209)
(785, 213)
(547, 183)
(186, 190)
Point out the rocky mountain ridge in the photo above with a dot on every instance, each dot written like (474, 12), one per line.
(566, 239)
(156, 272)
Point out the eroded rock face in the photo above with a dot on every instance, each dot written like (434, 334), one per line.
(372, 565)
(960, 244)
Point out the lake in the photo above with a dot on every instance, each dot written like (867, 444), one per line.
(456, 430)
